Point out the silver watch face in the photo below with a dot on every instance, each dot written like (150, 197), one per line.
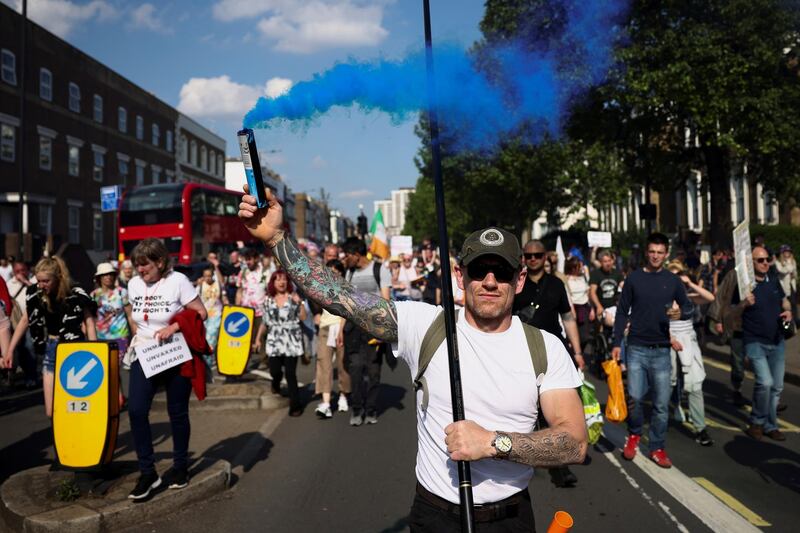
(503, 443)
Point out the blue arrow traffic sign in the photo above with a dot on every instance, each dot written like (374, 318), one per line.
(81, 374)
(237, 324)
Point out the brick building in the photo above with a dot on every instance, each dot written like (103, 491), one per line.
(85, 127)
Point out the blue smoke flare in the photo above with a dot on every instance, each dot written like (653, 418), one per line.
(520, 86)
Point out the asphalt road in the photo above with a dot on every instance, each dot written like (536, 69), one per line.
(328, 476)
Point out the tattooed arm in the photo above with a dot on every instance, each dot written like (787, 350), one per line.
(564, 442)
(369, 311)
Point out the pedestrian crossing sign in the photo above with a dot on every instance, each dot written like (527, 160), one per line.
(235, 338)
(86, 403)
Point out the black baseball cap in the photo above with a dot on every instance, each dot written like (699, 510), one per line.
(491, 241)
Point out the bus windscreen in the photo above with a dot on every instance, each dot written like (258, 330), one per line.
(159, 204)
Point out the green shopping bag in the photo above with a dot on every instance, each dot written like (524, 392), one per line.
(591, 411)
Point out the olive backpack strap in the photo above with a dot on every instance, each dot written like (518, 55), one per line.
(433, 338)
(538, 352)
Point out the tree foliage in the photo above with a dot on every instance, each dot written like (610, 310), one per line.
(709, 85)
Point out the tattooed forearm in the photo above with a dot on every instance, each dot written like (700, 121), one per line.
(547, 448)
(369, 311)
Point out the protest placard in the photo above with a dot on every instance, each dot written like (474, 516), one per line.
(743, 253)
(600, 239)
(157, 356)
(401, 244)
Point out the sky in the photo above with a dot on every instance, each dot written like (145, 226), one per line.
(212, 59)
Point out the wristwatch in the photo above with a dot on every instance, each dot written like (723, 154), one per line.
(501, 443)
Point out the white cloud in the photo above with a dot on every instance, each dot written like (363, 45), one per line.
(358, 193)
(223, 98)
(61, 16)
(318, 162)
(144, 17)
(277, 87)
(305, 27)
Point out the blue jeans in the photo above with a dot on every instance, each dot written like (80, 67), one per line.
(768, 365)
(649, 368)
(141, 393)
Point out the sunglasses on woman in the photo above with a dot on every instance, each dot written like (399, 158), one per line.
(503, 272)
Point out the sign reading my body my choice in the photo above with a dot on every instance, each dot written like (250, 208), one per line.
(155, 356)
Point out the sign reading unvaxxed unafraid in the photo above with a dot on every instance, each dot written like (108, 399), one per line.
(157, 356)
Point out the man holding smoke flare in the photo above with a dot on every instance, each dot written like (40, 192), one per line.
(500, 389)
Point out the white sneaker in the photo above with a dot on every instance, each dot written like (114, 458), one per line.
(343, 407)
(324, 411)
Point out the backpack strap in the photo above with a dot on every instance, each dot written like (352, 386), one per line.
(376, 273)
(435, 336)
(538, 352)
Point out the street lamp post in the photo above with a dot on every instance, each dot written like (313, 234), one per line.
(22, 211)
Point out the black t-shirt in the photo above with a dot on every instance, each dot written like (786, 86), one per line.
(432, 282)
(540, 304)
(760, 321)
(607, 286)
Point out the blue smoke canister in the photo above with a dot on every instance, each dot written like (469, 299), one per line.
(252, 166)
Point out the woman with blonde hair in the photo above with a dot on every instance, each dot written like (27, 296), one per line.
(55, 311)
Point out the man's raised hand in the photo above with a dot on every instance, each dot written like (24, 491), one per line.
(265, 223)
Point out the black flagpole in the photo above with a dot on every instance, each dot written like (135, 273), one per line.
(456, 396)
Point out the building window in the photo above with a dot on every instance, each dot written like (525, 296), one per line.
(139, 127)
(45, 219)
(156, 134)
(74, 154)
(769, 208)
(45, 153)
(9, 67)
(203, 158)
(193, 153)
(739, 185)
(122, 120)
(99, 164)
(212, 162)
(168, 141)
(73, 224)
(156, 175)
(139, 174)
(97, 230)
(184, 148)
(45, 85)
(74, 97)
(8, 142)
(98, 108)
(122, 167)
(220, 165)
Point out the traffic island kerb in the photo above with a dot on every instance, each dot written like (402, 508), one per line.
(29, 503)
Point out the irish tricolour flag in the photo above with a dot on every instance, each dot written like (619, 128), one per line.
(380, 244)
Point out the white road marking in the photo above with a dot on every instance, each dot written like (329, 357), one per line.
(704, 505)
(614, 461)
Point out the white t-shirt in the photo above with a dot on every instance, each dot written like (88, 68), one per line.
(6, 272)
(499, 389)
(160, 300)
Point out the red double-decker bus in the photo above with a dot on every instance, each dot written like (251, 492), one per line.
(191, 218)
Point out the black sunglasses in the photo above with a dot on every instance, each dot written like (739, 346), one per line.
(537, 255)
(502, 272)
(762, 259)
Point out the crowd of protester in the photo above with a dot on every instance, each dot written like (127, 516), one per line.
(585, 298)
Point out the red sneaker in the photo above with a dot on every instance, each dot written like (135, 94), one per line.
(660, 458)
(631, 445)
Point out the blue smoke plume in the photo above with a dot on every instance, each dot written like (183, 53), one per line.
(512, 87)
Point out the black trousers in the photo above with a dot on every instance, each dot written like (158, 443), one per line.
(362, 358)
(426, 518)
(280, 364)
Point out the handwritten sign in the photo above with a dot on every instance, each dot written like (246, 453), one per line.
(601, 239)
(401, 244)
(743, 253)
(155, 356)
